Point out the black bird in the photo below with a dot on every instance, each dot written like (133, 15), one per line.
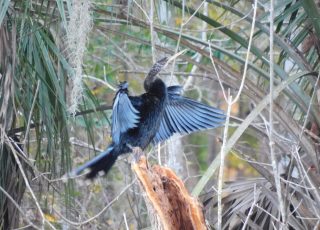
(151, 118)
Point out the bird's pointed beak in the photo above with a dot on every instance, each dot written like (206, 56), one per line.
(174, 57)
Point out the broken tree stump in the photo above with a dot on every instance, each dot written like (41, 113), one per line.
(169, 199)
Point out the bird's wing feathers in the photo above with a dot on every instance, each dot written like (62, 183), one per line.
(184, 115)
(124, 115)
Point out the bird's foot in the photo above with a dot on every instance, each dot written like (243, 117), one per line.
(137, 152)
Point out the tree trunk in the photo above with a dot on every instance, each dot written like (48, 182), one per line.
(168, 198)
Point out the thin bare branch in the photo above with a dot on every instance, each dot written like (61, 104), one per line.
(223, 153)
(13, 150)
(251, 208)
(275, 169)
(18, 207)
(99, 213)
(248, 52)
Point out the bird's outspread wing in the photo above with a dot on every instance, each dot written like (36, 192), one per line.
(184, 115)
(124, 115)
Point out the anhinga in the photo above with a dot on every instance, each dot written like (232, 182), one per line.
(151, 117)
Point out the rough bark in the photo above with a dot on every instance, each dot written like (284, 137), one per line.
(168, 197)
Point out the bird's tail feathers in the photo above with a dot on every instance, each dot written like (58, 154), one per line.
(103, 162)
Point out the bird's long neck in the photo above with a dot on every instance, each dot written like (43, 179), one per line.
(149, 81)
(152, 75)
(158, 89)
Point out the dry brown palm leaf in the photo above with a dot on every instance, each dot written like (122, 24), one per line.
(253, 204)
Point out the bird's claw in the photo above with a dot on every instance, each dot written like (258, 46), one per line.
(137, 151)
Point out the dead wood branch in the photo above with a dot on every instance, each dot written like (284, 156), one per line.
(168, 197)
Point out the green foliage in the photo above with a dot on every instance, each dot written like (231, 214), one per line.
(35, 89)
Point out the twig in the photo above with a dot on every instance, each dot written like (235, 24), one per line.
(179, 36)
(182, 26)
(125, 221)
(83, 144)
(99, 213)
(297, 185)
(194, 13)
(152, 32)
(271, 142)
(13, 150)
(143, 11)
(312, 135)
(150, 20)
(309, 108)
(248, 52)
(223, 152)
(18, 207)
(122, 52)
(164, 73)
(230, 102)
(24, 227)
(80, 113)
(251, 208)
(268, 213)
(304, 173)
(217, 73)
(247, 159)
(100, 81)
